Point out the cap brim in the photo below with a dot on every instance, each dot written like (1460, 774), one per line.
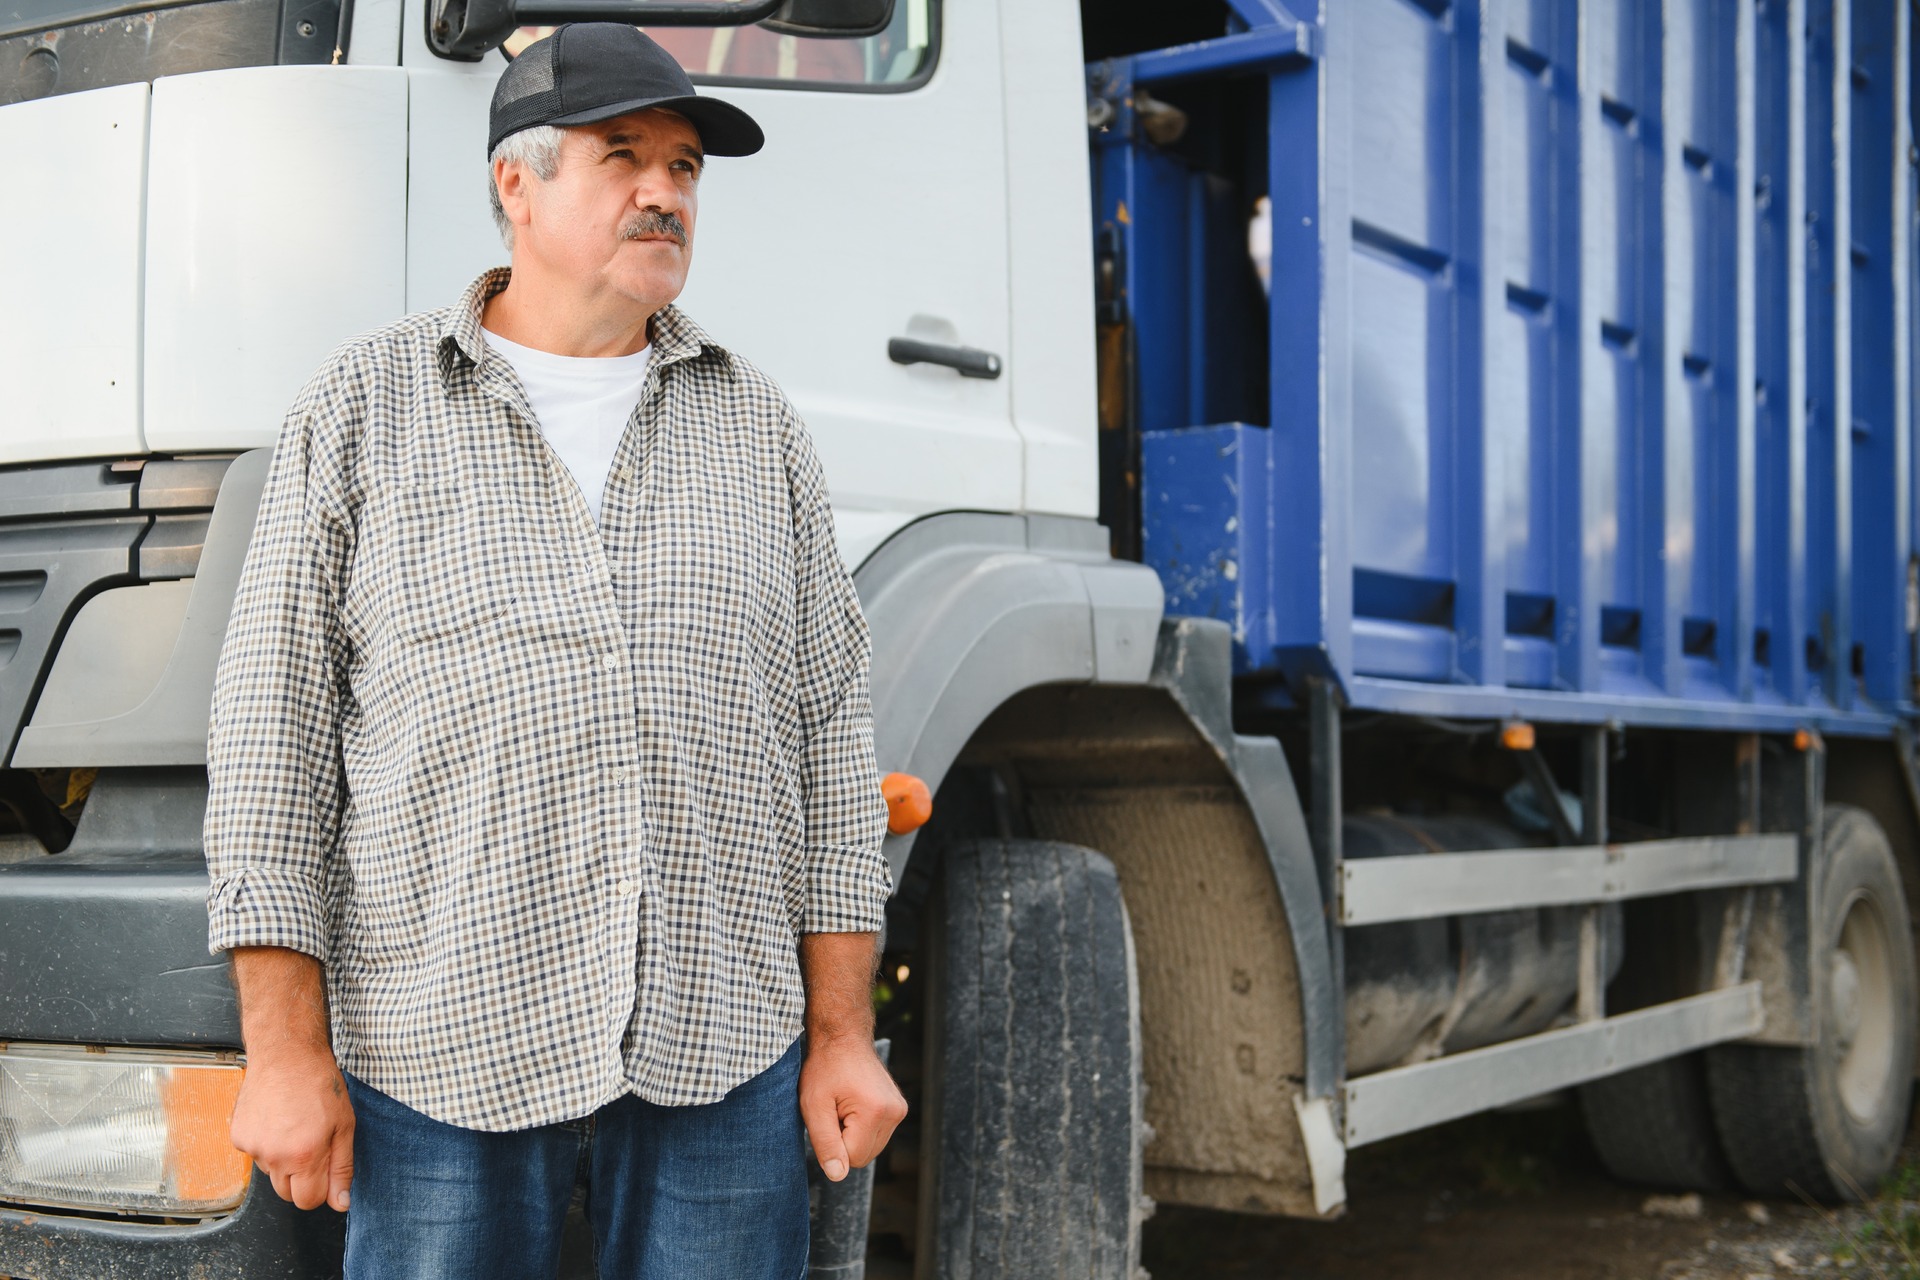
(725, 130)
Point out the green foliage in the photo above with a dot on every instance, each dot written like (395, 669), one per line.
(1882, 1238)
(1904, 1182)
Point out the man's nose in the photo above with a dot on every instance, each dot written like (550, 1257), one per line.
(658, 192)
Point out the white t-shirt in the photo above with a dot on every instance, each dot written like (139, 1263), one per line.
(581, 404)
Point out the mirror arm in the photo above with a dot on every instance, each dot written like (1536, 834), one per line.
(652, 13)
(464, 30)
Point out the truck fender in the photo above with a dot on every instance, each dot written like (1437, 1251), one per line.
(975, 616)
(967, 609)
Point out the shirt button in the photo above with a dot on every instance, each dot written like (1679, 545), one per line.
(626, 887)
(623, 473)
(621, 773)
(611, 662)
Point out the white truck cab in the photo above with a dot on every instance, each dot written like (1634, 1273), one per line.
(1252, 642)
(194, 246)
(220, 193)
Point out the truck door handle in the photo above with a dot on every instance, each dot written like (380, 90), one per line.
(970, 363)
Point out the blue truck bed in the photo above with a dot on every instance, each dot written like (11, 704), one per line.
(1583, 391)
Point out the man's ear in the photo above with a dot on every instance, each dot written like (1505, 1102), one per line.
(510, 178)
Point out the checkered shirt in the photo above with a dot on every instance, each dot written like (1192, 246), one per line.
(550, 801)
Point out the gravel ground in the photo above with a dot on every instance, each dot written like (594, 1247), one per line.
(1521, 1195)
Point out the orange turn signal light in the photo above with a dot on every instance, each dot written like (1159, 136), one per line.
(909, 803)
(199, 1107)
(1516, 735)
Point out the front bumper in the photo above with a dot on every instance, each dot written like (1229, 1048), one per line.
(264, 1239)
(106, 943)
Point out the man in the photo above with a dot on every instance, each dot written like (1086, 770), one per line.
(542, 730)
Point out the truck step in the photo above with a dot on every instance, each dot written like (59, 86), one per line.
(1389, 1103)
(1426, 886)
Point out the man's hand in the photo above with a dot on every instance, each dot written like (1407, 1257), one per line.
(294, 1119)
(848, 1102)
(292, 1115)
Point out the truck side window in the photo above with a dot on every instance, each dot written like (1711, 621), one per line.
(900, 57)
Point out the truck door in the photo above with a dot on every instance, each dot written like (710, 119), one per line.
(877, 211)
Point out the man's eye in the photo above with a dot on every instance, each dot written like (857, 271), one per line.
(622, 153)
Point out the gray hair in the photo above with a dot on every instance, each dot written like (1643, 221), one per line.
(539, 149)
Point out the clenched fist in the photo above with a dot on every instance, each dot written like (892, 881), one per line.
(292, 1116)
(294, 1119)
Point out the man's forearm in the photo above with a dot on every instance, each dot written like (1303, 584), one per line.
(838, 969)
(292, 1116)
(283, 1004)
(848, 1101)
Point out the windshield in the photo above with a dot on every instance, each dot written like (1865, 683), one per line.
(38, 15)
(897, 58)
(51, 47)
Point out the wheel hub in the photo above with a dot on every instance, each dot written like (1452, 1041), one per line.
(1843, 999)
(1860, 1016)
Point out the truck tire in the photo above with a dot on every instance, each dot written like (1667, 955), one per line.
(1654, 1126)
(1030, 1164)
(1827, 1120)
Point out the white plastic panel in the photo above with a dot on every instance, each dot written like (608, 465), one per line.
(860, 533)
(114, 652)
(376, 33)
(276, 229)
(70, 318)
(1050, 263)
(450, 233)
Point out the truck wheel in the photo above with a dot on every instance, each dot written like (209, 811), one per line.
(1654, 1126)
(1030, 1167)
(1828, 1119)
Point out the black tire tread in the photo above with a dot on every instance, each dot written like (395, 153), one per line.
(1654, 1126)
(1764, 1097)
(1039, 1106)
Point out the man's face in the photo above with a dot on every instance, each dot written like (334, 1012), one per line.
(619, 214)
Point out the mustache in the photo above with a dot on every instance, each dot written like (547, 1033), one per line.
(648, 223)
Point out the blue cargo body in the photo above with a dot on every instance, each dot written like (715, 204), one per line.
(1584, 391)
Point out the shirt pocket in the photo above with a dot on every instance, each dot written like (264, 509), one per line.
(455, 563)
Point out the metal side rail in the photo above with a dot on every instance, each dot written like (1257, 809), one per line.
(1389, 1103)
(1424, 886)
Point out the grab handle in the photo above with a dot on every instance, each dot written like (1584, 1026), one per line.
(969, 362)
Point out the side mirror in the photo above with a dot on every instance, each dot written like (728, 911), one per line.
(848, 18)
(464, 30)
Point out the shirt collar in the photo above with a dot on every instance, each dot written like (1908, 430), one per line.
(675, 336)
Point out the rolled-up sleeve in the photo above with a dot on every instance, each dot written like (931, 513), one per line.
(848, 882)
(274, 772)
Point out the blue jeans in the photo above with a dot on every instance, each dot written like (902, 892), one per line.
(716, 1192)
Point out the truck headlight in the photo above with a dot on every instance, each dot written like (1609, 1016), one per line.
(119, 1130)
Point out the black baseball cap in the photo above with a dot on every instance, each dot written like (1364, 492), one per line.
(586, 72)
